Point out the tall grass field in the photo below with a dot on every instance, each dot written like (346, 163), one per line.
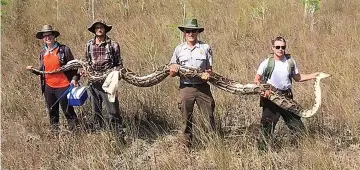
(326, 39)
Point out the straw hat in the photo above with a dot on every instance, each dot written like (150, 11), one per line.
(191, 24)
(99, 21)
(47, 28)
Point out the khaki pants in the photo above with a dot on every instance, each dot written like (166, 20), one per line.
(201, 94)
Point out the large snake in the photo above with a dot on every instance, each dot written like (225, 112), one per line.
(216, 79)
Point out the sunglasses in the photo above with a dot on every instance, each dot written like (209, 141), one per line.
(47, 35)
(282, 47)
(189, 31)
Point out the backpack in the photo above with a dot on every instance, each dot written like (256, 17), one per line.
(271, 65)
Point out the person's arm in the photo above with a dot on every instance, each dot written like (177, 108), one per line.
(87, 56)
(87, 59)
(260, 71)
(174, 64)
(117, 56)
(30, 68)
(259, 76)
(210, 57)
(257, 79)
(304, 77)
(74, 73)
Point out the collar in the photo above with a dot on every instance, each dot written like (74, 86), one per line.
(107, 40)
(197, 45)
(56, 45)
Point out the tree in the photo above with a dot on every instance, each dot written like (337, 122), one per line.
(310, 7)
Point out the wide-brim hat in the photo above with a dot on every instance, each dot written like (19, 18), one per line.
(91, 28)
(191, 24)
(46, 28)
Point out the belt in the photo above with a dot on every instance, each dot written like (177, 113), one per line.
(182, 85)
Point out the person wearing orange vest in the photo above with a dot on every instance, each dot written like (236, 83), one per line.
(53, 86)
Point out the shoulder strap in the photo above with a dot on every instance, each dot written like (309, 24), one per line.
(110, 50)
(42, 53)
(291, 68)
(291, 63)
(269, 69)
(89, 50)
(61, 55)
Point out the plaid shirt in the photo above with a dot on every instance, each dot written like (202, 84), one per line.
(102, 58)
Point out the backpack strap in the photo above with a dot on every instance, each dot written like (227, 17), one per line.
(42, 53)
(291, 68)
(271, 65)
(61, 54)
(269, 69)
(110, 51)
(89, 52)
(42, 68)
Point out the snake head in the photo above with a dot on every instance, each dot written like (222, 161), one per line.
(322, 75)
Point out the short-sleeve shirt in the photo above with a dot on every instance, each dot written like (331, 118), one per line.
(280, 76)
(199, 57)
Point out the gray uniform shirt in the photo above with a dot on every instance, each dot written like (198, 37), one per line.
(198, 57)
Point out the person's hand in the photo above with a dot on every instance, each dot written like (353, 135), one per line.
(174, 68)
(75, 83)
(29, 67)
(266, 93)
(83, 73)
(205, 76)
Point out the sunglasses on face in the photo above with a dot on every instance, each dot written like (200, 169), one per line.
(282, 47)
(47, 35)
(189, 31)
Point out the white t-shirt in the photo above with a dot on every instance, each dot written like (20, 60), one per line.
(280, 76)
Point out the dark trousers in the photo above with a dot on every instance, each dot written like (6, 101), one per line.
(201, 94)
(51, 96)
(111, 119)
(270, 116)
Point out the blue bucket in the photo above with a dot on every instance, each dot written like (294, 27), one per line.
(77, 96)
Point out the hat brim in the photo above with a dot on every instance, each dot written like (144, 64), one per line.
(182, 28)
(39, 35)
(92, 27)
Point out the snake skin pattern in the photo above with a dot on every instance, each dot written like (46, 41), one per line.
(217, 80)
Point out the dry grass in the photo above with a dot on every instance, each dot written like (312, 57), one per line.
(147, 32)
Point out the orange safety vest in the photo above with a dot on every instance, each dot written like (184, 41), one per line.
(51, 62)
